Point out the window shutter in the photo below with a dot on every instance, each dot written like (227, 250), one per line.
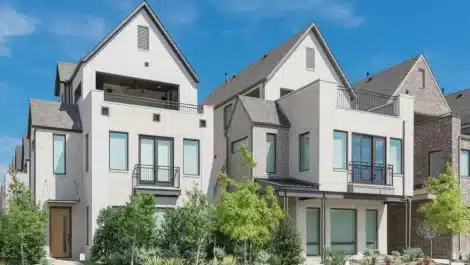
(143, 37)
(310, 58)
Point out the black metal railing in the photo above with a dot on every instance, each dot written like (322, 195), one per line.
(367, 101)
(157, 176)
(370, 173)
(155, 103)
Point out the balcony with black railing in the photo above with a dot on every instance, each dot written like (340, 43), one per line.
(370, 173)
(367, 101)
(155, 177)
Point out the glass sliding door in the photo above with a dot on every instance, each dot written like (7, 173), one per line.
(156, 160)
(368, 159)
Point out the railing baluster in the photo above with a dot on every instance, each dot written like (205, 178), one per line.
(367, 101)
(157, 176)
(370, 173)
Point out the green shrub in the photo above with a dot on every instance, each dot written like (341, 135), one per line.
(22, 228)
(119, 227)
(371, 256)
(286, 246)
(412, 254)
(335, 257)
(228, 260)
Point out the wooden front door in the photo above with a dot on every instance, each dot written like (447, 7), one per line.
(60, 232)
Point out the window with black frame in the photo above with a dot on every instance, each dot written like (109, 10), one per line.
(368, 160)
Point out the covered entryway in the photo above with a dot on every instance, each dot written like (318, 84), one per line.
(60, 226)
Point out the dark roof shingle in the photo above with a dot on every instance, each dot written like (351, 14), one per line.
(55, 115)
(387, 81)
(459, 103)
(264, 111)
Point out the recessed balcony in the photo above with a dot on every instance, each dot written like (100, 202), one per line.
(367, 101)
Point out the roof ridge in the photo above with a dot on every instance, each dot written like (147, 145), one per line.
(390, 67)
(459, 91)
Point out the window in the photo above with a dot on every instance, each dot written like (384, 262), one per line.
(105, 111)
(157, 155)
(340, 149)
(285, 91)
(464, 163)
(368, 160)
(313, 231)
(86, 152)
(310, 59)
(78, 93)
(227, 113)
(159, 217)
(396, 155)
(270, 153)
(436, 163)
(422, 76)
(343, 230)
(156, 117)
(237, 145)
(371, 229)
(304, 148)
(59, 154)
(202, 123)
(87, 221)
(118, 151)
(191, 157)
(143, 38)
(254, 94)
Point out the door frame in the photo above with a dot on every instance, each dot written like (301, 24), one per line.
(373, 139)
(70, 225)
(155, 153)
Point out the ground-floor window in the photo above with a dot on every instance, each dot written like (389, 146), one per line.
(343, 230)
(313, 231)
(371, 229)
(159, 216)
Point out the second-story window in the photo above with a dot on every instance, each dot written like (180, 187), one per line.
(227, 113)
(396, 155)
(118, 151)
(143, 38)
(237, 145)
(77, 93)
(422, 77)
(191, 157)
(304, 150)
(340, 149)
(310, 57)
(436, 163)
(59, 153)
(270, 153)
(464, 163)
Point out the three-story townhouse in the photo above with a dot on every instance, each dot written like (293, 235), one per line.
(127, 122)
(335, 155)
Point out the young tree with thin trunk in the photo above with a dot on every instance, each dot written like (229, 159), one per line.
(447, 213)
(426, 232)
(250, 212)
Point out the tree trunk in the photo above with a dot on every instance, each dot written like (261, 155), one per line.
(244, 253)
(198, 251)
(451, 251)
(431, 248)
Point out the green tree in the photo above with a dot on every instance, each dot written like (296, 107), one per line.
(124, 229)
(250, 212)
(185, 230)
(447, 213)
(23, 227)
(286, 246)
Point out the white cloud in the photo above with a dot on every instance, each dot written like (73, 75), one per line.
(335, 11)
(14, 24)
(80, 26)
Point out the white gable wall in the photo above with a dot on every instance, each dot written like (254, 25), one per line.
(121, 56)
(293, 73)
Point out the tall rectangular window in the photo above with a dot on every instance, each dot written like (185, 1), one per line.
(118, 151)
(191, 157)
(371, 229)
(340, 149)
(59, 153)
(343, 230)
(227, 113)
(270, 153)
(464, 163)
(310, 57)
(304, 148)
(160, 217)
(78, 93)
(422, 75)
(436, 163)
(143, 38)
(87, 212)
(313, 231)
(86, 152)
(396, 155)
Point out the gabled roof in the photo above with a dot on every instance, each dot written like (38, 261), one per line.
(65, 70)
(259, 70)
(146, 7)
(265, 112)
(387, 81)
(459, 102)
(54, 115)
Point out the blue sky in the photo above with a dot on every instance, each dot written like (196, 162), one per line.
(220, 36)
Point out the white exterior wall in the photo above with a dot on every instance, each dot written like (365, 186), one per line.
(293, 74)
(120, 56)
(282, 150)
(324, 117)
(360, 206)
